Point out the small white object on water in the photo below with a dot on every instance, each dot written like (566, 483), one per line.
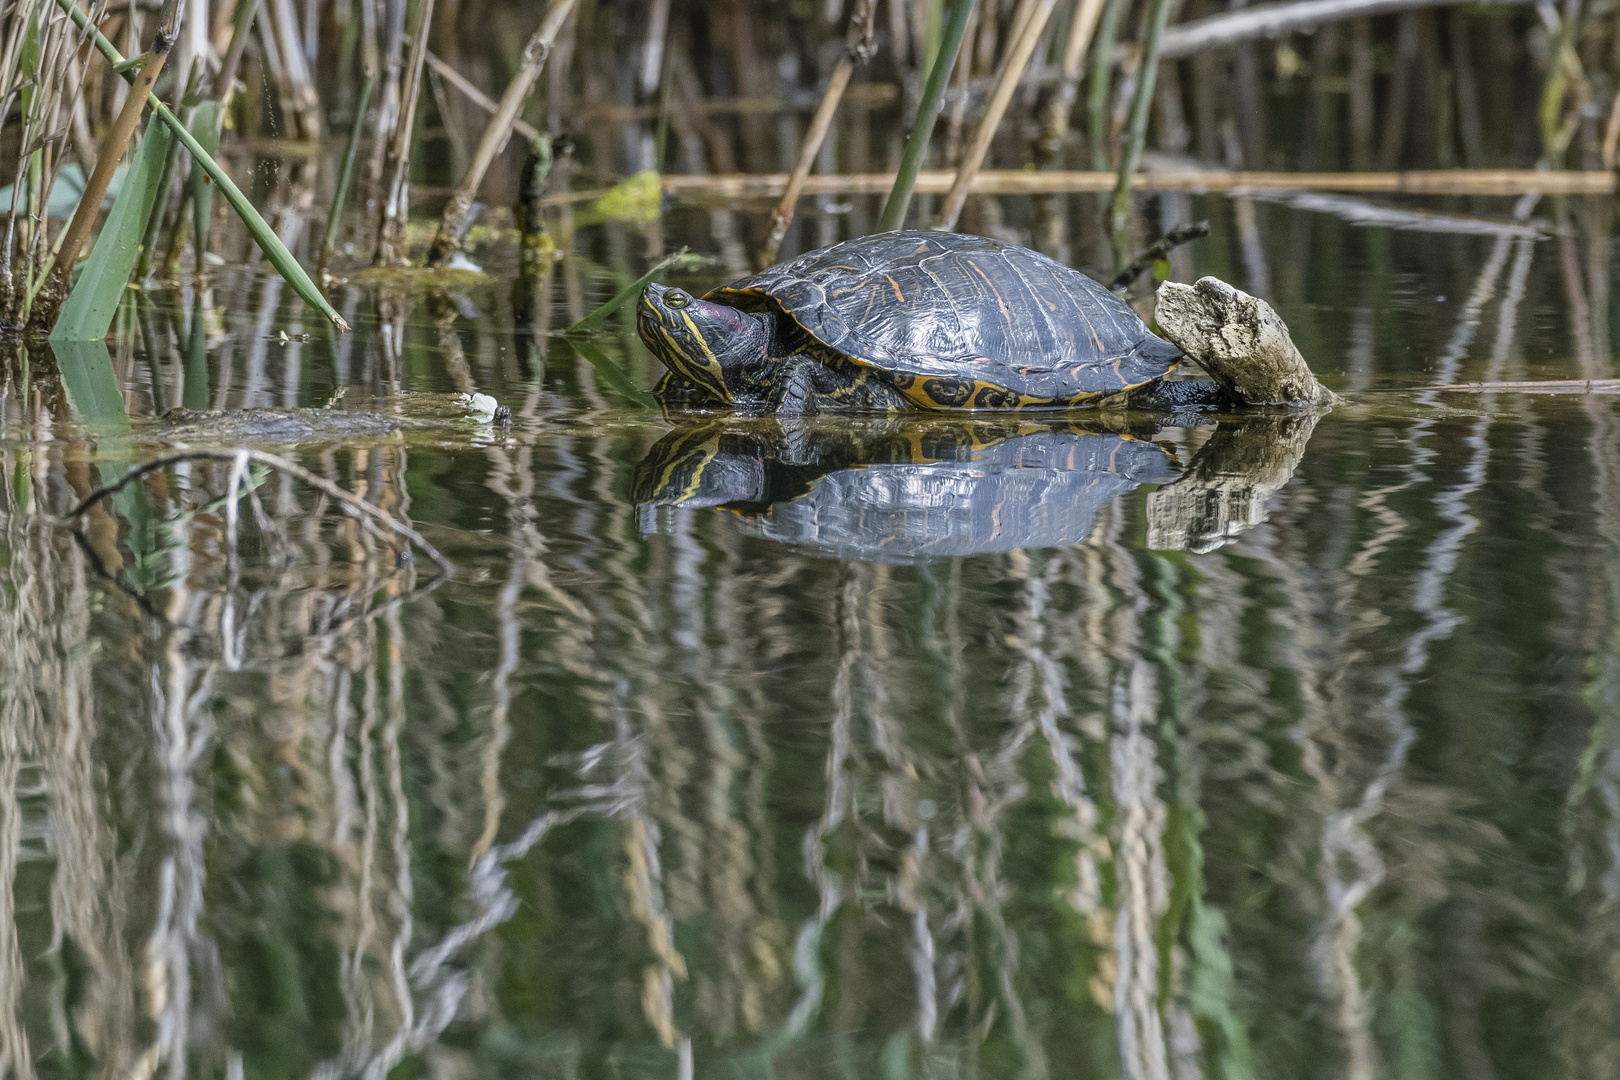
(458, 261)
(482, 404)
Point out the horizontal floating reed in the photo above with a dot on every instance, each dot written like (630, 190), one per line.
(1550, 386)
(1033, 182)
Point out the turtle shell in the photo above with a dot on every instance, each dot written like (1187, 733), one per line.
(956, 321)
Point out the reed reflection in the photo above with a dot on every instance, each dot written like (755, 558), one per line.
(1254, 748)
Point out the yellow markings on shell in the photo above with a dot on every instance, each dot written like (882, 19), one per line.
(1002, 304)
(897, 294)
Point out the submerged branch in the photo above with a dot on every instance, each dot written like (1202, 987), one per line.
(354, 506)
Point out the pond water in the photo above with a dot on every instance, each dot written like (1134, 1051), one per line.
(1046, 747)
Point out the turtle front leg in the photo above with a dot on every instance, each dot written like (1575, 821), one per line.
(794, 391)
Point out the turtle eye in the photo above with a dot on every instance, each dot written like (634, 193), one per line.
(676, 299)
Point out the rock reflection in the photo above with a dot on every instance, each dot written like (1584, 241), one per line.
(915, 489)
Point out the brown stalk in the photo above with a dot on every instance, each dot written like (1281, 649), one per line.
(114, 145)
(1055, 125)
(732, 185)
(1030, 21)
(859, 44)
(453, 224)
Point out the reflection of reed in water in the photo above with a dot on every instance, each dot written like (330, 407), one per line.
(53, 789)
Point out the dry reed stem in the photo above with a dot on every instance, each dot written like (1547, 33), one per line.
(859, 44)
(1034, 182)
(1055, 123)
(1032, 17)
(391, 245)
(1549, 386)
(477, 96)
(114, 145)
(453, 224)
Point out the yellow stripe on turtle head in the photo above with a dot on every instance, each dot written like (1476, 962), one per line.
(705, 370)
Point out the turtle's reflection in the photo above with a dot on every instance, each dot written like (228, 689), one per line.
(916, 488)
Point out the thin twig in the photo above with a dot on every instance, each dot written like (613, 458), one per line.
(1181, 234)
(477, 96)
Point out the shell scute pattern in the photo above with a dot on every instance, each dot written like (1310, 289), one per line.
(957, 321)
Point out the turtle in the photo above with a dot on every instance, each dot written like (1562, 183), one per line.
(910, 320)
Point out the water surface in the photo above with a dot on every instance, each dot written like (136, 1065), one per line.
(1048, 747)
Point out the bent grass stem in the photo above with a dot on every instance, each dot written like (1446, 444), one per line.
(262, 233)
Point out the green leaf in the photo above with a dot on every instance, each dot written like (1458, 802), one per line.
(92, 385)
(90, 307)
(683, 257)
(612, 374)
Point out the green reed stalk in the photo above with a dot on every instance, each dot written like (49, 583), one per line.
(262, 233)
(1102, 69)
(346, 176)
(922, 130)
(1136, 131)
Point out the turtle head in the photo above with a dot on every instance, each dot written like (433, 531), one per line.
(713, 345)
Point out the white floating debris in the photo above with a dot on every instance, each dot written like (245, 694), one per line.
(482, 404)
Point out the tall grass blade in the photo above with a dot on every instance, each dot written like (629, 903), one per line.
(94, 300)
(612, 374)
(205, 127)
(262, 233)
